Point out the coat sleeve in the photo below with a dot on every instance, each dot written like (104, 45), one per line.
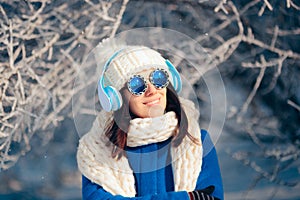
(92, 191)
(210, 172)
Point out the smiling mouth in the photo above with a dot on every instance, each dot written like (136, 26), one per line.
(150, 103)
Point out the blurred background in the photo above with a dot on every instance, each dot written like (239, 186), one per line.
(254, 44)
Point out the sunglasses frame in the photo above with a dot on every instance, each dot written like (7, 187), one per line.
(145, 82)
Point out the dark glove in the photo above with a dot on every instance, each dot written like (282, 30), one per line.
(204, 194)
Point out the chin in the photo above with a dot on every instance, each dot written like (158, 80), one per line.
(156, 110)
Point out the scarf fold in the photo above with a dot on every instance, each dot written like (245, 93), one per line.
(143, 131)
(115, 176)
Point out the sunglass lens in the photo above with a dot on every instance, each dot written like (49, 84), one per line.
(159, 78)
(136, 85)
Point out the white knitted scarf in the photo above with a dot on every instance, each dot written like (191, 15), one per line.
(144, 131)
(115, 176)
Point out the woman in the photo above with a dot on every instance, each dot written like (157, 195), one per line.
(146, 142)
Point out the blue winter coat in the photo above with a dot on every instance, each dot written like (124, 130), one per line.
(159, 184)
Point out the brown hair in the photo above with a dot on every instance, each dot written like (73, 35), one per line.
(117, 132)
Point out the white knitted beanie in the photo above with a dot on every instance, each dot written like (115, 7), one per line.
(129, 61)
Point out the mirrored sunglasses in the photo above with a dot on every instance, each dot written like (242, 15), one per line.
(137, 84)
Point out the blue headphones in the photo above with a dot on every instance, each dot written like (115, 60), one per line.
(111, 99)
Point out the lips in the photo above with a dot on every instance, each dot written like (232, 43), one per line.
(152, 102)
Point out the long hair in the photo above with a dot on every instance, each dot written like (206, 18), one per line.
(117, 130)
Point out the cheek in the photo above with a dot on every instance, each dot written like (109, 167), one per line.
(164, 97)
(135, 105)
(164, 102)
(129, 99)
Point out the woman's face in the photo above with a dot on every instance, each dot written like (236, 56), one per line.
(150, 104)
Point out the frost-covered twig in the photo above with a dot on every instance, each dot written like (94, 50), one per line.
(294, 105)
(36, 78)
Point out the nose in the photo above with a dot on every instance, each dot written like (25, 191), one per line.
(150, 90)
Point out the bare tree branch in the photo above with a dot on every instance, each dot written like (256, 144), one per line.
(36, 78)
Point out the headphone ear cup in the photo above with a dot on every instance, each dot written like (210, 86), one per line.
(177, 84)
(115, 98)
